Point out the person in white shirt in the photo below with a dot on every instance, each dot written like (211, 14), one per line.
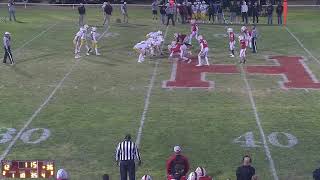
(244, 12)
(124, 12)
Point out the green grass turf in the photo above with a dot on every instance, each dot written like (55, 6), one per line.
(103, 98)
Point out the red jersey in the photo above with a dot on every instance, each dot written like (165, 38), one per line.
(231, 37)
(194, 27)
(243, 44)
(176, 48)
(203, 43)
(175, 162)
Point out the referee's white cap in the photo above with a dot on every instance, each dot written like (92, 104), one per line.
(177, 149)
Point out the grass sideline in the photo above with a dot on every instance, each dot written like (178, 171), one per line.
(103, 98)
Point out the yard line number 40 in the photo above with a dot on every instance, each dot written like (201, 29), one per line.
(31, 136)
(279, 139)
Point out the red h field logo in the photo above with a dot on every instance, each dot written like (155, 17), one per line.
(295, 73)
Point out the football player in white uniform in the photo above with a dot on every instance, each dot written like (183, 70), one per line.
(94, 40)
(77, 43)
(141, 48)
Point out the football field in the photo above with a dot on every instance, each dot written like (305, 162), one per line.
(75, 111)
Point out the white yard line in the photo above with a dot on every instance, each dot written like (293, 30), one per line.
(302, 46)
(36, 37)
(258, 121)
(148, 95)
(43, 105)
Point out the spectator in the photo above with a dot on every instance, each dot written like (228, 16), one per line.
(82, 13)
(124, 12)
(163, 14)
(177, 164)
(316, 174)
(154, 7)
(170, 11)
(126, 153)
(245, 171)
(183, 12)
(250, 6)
(211, 13)
(12, 10)
(108, 13)
(62, 174)
(233, 12)
(269, 12)
(189, 9)
(244, 12)
(255, 13)
(279, 11)
(220, 14)
(238, 11)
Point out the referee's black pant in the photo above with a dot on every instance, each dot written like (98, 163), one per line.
(254, 45)
(8, 54)
(127, 167)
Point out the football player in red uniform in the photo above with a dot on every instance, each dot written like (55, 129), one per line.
(181, 38)
(232, 41)
(204, 49)
(243, 48)
(194, 30)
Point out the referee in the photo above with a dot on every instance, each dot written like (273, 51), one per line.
(7, 49)
(126, 152)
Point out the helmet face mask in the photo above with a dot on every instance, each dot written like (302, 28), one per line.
(201, 171)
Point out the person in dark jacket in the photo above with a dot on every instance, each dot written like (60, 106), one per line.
(250, 6)
(233, 12)
(245, 171)
(163, 13)
(316, 174)
(108, 13)
(211, 13)
(177, 165)
(255, 13)
(269, 12)
(238, 12)
(82, 13)
(279, 11)
(170, 11)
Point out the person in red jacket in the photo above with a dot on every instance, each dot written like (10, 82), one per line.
(177, 165)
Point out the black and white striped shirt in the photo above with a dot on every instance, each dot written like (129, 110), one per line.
(127, 150)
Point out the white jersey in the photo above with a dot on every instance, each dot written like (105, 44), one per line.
(78, 36)
(94, 36)
(142, 45)
(153, 34)
(84, 35)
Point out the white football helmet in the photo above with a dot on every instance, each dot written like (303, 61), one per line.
(203, 2)
(62, 174)
(175, 35)
(192, 21)
(243, 28)
(200, 37)
(146, 177)
(94, 29)
(193, 176)
(201, 171)
(159, 32)
(173, 43)
(6, 33)
(86, 26)
(229, 30)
